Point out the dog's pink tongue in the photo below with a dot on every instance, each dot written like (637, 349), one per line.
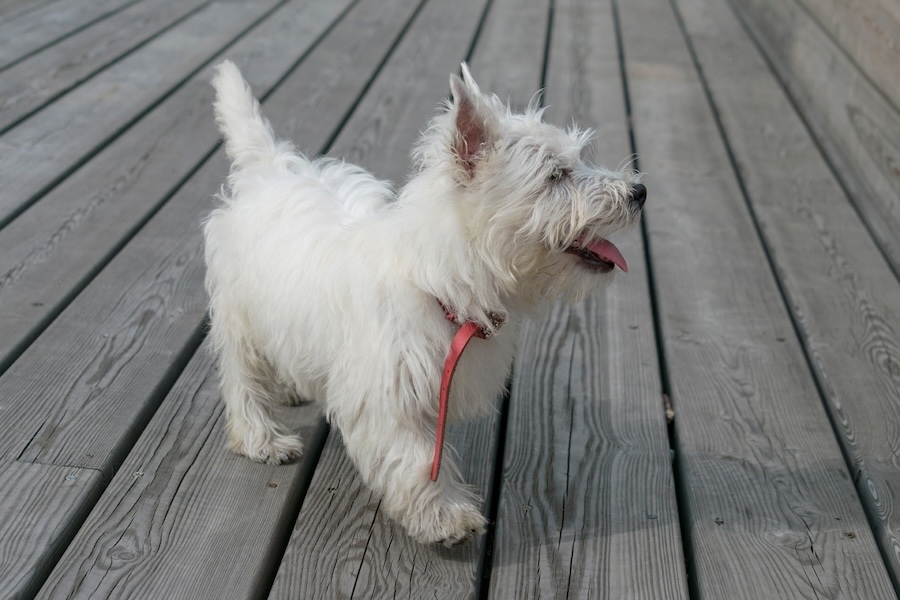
(608, 252)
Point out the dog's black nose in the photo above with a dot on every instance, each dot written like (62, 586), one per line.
(639, 194)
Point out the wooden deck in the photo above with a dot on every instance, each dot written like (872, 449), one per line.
(723, 422)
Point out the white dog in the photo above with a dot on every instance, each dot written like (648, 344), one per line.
(326, 284)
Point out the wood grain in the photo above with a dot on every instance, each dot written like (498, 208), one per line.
(58, 244)
(853, 122)
(843, 294)
(185, 517)
(587, 507)
(42, 149)
(770, 507)
(31, 536)
(28, 30)
(33, 82)
(81, 393)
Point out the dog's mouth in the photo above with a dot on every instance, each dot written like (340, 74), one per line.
(600, 255)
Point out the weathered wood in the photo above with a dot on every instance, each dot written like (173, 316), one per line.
(33, 82)
(770, 508)
(56, 246)
(30, 535)
(587, 507)
(185, 517)
(81, 393)
(44, 148)
(342, 544)
(855, 125)
(843, 294)
(868, 31)
(25, 31)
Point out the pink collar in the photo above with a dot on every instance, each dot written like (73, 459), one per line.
(463, 336)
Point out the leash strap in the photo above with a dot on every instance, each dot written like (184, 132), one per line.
(463, 336)
(459, 343)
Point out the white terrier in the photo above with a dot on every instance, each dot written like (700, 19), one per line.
(326, 284)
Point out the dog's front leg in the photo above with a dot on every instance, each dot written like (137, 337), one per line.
(394, 460)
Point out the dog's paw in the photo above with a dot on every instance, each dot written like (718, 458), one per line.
(466, 526)
(452, 525)
(462, 538)
(274, 450)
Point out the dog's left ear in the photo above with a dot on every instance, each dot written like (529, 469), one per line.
(474, 120)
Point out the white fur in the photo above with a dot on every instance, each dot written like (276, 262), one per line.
(324, 283)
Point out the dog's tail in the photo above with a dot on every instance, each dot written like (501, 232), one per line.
(248, 136)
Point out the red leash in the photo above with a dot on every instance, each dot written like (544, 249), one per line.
(462, 338)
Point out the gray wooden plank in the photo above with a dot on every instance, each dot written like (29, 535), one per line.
(867, 30)
(854, 123)
(342, 544)
(124, 339)
(185, 517)
(770, 509)
(587, 507)
(41, 149)
(11, 9)
(26, 31)
(53, 249)
(33, 82)
(37, 508)
(843, 294)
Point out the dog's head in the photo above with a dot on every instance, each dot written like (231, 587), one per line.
(535, 211)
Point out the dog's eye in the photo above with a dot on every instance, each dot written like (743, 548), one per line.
(558, 174)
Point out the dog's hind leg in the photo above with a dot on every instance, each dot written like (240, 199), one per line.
(251, 394)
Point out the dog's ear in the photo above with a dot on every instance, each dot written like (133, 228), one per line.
(474, 121)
